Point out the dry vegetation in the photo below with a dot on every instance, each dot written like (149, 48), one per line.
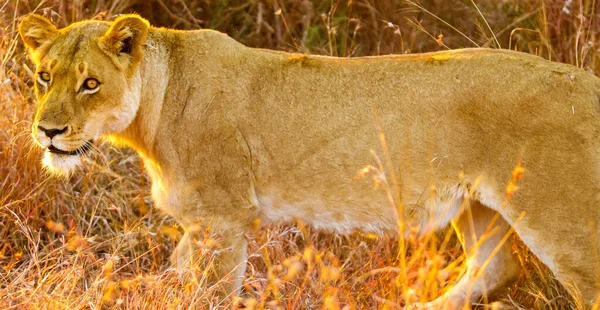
(94, 241)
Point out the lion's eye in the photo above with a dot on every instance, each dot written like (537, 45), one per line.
(90, 84)
(44, 78)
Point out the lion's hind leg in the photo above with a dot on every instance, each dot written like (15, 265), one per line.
(490, 262)
(568, 244)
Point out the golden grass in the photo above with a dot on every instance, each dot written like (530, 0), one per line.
(95, 242)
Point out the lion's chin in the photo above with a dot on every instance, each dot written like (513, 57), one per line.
(60, 164)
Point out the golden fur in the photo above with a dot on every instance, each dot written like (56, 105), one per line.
(230, 134)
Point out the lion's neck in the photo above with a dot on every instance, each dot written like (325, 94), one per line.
(154, 78)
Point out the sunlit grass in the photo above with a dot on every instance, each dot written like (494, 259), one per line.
(95, 241)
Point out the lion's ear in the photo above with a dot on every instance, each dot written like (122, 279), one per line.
(37, 33)
(125, 39)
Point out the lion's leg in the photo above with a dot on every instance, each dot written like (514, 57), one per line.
(180, 258)
(569, 248)
(580, 279)
(490, 264)
(224, 254)
(230, 262)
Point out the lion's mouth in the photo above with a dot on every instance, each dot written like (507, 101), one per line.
(80, 151)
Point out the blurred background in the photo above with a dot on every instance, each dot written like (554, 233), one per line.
(564, 30)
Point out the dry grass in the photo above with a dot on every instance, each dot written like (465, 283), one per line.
(94, 241)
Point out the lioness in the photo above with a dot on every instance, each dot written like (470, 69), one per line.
(231, 134)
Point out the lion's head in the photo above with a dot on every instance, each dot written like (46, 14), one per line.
(86, 82)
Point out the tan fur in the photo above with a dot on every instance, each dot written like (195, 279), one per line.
(230, 134)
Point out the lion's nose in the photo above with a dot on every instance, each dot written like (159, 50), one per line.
(50, 133)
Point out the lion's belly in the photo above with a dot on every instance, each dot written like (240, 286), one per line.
(339, 215)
